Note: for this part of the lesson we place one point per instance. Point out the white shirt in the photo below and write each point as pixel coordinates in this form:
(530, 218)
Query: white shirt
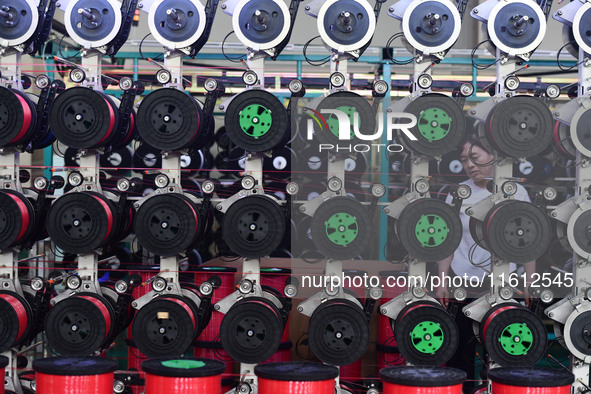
(461, 262)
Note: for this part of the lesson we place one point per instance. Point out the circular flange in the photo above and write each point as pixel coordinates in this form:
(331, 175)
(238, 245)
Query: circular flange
(426, 334)
(251, 330)
(165, 327)
(517, 231)
(18, 117)
(350, 104)
(15, 319)
(516, 26)
(520, 126)
(578, 232)
(261, 24)
(79, 325)
(341, 228)
(21, 23)
(440, 128)
(253, 226)
(93, 23)
(338, 332)
(169, 119)
(580, 130)
(580, 29)
(81, 222)
(431, 26)
(429, 229)
(513, 335)
(17, 218)
(176, 23)
(256, 121)
(346, 25)
(563, 142)
(83, 118)
(167, 224)
(577, 332)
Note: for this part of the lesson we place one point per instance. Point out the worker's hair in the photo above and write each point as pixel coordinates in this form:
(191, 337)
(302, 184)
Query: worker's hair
(473, 140)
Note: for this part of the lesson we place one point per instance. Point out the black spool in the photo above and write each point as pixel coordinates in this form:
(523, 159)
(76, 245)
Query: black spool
(428, 229)
(253, 226)
(338, 333)
(251, 331)
(441, 125)
(434, 320)
(520, 126)
(338, 217)
(81, 222)
(256, 121)
(80, 325)
(83, 118)
(166, 326)
(168, 224)
(170, 119)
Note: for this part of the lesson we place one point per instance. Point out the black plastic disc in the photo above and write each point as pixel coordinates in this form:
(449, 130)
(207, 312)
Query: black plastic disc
(17, 218)
(170, 119)
(579, 329)
(167, 224)
(186, 367)
(146, 157)
(423, 376)
(349, 103)
(164, 327)
(253, 226)
(11, 321)
(14, 116)
(496, 328)
(520, 126)
(517, 231)
(251, 330)
(338, 333)
(256, 121)
(83, 118)
(429, 229)
(296, 371)
(477, 234)
(341, 228)
(420, 350)
(74, 365)
(77, 326)
(80, 222)
(279, 166)
(531, 377)
(440, 128)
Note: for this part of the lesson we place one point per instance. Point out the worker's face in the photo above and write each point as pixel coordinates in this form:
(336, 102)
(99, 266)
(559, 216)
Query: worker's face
(477, 164)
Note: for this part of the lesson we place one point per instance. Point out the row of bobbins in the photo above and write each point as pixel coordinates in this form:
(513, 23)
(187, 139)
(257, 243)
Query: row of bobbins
(95, 375)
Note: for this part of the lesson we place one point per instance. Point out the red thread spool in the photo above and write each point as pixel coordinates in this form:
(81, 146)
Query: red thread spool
(296, 378)
(275, 278)
(183, 375)
(74, 375)
(3, 364)
(422, 380)
(134, 356)
(530, 381)
(15, 319)
(226, 274)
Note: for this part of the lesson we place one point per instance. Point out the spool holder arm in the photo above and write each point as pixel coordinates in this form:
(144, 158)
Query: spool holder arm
(210, 10)
(293, 11)
(127, 12)
(45, 29)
